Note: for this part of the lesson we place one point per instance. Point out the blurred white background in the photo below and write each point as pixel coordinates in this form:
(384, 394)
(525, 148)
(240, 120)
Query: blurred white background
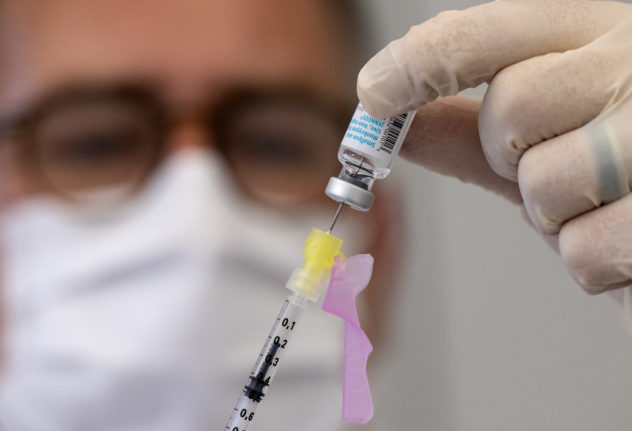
(491, 332)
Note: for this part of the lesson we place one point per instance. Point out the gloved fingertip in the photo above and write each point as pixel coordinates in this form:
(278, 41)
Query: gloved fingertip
(378, 85)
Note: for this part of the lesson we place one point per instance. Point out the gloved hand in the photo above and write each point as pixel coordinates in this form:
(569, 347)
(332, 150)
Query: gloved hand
(557, 117)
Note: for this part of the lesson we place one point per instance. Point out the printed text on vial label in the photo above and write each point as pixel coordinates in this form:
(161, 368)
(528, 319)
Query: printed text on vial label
(365, 129)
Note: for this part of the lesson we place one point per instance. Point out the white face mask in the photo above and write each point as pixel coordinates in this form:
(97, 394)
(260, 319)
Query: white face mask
(150, 316)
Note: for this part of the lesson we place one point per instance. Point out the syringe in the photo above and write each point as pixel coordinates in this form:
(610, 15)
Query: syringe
(306, 283)
(267, 364)
(367, 152)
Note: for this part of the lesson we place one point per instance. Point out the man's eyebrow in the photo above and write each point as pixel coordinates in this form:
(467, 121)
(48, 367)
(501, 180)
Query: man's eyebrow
(77, 90)
(284, 92)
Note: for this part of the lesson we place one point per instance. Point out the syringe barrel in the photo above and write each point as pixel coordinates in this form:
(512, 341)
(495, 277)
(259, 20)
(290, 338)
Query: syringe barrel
(367, 152)
(267, 364)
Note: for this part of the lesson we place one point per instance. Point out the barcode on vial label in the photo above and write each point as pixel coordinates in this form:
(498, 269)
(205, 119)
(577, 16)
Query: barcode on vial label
(391, 133)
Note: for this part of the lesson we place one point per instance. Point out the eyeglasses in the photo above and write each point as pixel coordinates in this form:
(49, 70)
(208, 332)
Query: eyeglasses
(280, 144)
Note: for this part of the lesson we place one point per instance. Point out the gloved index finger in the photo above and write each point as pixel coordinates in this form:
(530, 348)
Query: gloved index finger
(462, 49)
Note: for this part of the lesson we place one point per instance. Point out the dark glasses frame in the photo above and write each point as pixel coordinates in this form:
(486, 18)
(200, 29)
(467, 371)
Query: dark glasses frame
(218, 119)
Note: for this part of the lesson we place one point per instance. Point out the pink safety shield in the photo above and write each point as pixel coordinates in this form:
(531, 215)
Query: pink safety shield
(349, 277)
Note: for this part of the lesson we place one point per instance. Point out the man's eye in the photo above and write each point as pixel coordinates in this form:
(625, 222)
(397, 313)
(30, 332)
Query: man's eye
(94, 146)
(92, 156)
(274, 148)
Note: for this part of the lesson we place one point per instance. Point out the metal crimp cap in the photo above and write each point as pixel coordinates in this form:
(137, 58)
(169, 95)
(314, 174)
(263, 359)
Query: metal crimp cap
(350, 194)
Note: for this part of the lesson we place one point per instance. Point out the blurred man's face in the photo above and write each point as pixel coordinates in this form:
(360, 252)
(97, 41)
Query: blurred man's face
(189, 57)
(95, 95)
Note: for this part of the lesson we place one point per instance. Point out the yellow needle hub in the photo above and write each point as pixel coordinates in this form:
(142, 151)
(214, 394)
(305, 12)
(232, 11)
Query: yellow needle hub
(319, 252)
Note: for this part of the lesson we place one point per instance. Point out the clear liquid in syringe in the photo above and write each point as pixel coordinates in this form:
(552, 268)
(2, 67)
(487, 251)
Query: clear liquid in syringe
(267, 364)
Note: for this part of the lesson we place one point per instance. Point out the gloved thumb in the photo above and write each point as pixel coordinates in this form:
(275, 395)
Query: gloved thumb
(462, 49)
(444, 139)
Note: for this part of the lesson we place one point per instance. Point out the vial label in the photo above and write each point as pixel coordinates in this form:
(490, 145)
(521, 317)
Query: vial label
(380, 140)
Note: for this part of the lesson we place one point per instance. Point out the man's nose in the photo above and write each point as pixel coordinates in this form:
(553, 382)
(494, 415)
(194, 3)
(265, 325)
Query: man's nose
(189, 132)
